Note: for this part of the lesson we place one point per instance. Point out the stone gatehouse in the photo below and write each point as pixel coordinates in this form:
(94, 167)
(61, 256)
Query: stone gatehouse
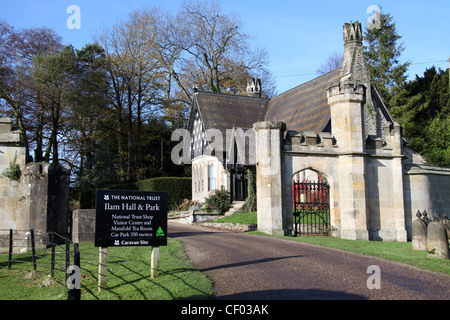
(335, 125)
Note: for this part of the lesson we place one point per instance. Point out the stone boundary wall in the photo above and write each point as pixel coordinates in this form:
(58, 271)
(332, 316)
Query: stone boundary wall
(426, 187)
(83, 225)
(36, 199)
(192, 216)
(234, 227)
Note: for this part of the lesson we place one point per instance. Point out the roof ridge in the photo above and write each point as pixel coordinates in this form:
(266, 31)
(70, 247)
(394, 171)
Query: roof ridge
(231, 95)
(307, 82)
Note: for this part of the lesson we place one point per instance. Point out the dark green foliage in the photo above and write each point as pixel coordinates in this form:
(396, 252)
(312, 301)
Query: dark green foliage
(422, 107)
(13, 172)
(87, 198)
(124, 186)
(382, 54)
(178, 188)
(219, 201)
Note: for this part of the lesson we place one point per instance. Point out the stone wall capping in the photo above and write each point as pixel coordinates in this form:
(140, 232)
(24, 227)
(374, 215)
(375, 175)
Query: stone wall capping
(414, 169)
(265, 125)
(309, 139)
(374, 142)
(8, 134)
(326, 140)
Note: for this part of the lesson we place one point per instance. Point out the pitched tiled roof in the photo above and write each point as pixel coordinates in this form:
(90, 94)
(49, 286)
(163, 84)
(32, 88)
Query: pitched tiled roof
(225, 111)
(304, 108)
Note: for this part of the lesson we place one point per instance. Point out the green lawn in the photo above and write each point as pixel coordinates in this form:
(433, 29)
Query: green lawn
(315, 218)
(243, 218)
(128, 277)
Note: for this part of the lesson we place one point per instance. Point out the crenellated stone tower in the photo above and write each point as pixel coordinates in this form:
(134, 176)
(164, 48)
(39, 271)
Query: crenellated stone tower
(346, 99)
(363, 151)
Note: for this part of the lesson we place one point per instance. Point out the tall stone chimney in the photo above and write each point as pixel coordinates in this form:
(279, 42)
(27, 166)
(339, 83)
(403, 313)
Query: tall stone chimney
(354, 65)
(354, 72)
(254, 87)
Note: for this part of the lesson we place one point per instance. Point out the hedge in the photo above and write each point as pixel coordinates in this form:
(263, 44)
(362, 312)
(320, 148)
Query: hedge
(178, 188)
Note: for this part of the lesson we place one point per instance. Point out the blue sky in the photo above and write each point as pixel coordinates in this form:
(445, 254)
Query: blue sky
(299, 35)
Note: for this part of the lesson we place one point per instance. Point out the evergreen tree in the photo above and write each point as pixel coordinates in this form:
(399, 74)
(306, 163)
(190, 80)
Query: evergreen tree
(382, 54)
(422, 107)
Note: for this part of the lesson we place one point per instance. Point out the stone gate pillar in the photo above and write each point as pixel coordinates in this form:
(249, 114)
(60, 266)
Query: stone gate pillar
(269, 139)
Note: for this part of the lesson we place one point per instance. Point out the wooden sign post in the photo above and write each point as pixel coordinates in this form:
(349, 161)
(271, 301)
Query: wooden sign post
(154, 262)
(130, 218)
(102, 262)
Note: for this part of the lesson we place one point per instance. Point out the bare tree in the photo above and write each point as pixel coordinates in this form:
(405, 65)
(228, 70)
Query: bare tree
(134, 78)
(333, 61)
(217, 48)
(7, 42)
(22, 95)
(168, 55)
(201, 47)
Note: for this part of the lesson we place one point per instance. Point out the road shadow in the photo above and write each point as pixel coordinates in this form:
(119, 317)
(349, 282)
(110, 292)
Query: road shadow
(178, 234)
(245, 263)
(292, 294)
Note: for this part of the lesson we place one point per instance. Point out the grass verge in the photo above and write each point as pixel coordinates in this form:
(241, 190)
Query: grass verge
(128, 277)
(242, 218)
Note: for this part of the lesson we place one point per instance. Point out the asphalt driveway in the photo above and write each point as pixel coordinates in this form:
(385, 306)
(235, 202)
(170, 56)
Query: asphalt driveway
(247, 267)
